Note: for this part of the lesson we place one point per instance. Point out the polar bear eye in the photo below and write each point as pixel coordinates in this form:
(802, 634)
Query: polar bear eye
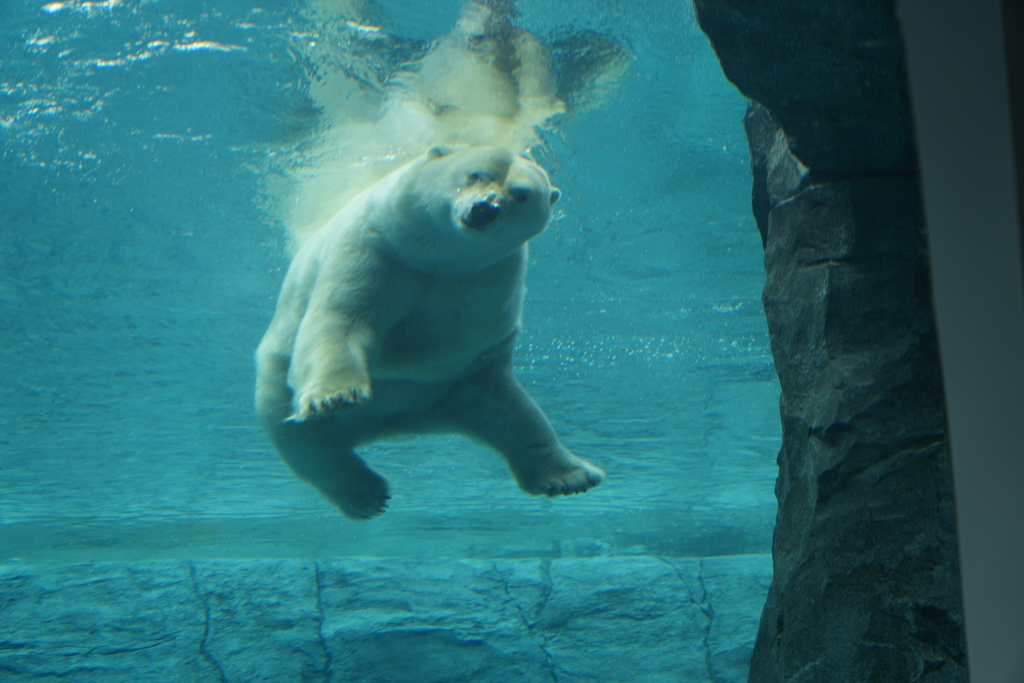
(520, 194)
(474, 178)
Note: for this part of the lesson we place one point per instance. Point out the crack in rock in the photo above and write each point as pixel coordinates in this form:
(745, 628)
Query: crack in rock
(809, 669)
(36, 674)
(328, 670)
(117, 651)
(709, 612)
(537, 636)
(203, 651)
(548, 587)
(705, 607)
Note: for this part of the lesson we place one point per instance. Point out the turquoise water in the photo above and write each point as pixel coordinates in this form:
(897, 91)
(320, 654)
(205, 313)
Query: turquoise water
(140, 260)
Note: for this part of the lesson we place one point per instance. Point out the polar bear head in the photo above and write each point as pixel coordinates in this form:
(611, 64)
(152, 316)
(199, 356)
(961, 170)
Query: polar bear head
(464, 209)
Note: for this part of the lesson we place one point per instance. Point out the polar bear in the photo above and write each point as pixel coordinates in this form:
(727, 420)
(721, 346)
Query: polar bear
(399, 316)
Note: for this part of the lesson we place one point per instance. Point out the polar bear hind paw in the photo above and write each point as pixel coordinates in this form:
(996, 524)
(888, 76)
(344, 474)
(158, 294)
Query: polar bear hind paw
(363, 499)
(576, 480)
(365, 506)
(561, 477)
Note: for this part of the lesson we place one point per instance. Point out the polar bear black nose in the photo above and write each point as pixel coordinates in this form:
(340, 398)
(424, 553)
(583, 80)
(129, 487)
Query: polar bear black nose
(481, 215)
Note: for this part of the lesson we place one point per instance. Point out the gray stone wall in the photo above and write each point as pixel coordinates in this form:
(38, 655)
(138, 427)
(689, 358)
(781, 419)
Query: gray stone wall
(373, 620)
(866, 581)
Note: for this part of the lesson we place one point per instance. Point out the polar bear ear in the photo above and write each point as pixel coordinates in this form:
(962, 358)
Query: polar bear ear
(555, 194)
(438, 151)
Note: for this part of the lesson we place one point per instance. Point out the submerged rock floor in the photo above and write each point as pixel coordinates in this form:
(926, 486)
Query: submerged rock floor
(608, 619)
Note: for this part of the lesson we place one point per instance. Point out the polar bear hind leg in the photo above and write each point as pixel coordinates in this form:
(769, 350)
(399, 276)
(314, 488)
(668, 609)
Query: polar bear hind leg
(490, 405)
(319, 451)
(312, 451)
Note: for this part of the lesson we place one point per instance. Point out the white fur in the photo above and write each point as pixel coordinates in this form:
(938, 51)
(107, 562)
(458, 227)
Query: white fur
(400, 315)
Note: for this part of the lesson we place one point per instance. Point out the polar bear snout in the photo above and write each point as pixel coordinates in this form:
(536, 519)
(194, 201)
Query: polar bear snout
(482, 214)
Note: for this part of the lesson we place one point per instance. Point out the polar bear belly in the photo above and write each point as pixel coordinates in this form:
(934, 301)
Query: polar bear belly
(454, 322)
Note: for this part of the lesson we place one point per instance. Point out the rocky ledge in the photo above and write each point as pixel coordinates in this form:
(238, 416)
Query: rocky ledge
(866, 581)
(607, 620)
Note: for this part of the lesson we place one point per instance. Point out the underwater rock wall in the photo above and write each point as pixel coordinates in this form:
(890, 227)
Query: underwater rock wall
(866, 578)
(596, 620)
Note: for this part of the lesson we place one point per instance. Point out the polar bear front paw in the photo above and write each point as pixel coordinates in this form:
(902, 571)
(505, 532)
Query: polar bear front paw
(320, 403)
